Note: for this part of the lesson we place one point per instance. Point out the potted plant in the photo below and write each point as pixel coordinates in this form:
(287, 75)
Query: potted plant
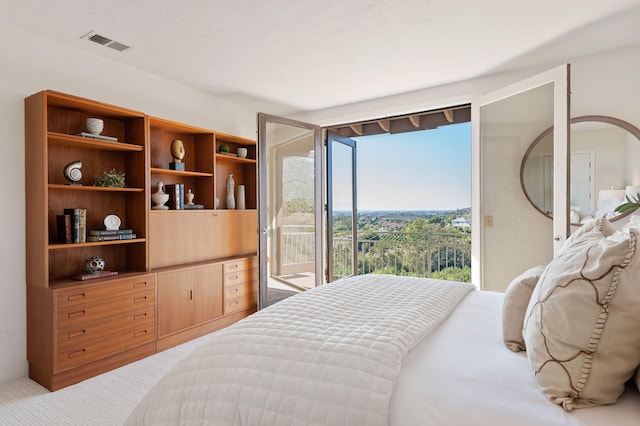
(631, 204)
(110, 179)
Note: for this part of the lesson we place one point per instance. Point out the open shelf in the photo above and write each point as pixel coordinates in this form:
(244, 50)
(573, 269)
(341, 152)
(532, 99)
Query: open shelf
(88, 143)
(92, 188)
(95, 244)
(160, 171)
(224, 157)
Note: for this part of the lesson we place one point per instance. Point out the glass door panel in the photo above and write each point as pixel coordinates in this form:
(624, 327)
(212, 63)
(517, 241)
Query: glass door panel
(513, 235)
(290, 249)
(342, 225)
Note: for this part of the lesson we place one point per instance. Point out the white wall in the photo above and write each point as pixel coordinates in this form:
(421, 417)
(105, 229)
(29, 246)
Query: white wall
(31, 64)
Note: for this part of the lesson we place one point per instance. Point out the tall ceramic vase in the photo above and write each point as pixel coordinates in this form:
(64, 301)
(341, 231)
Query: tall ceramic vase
(231, 200)
(240, 204)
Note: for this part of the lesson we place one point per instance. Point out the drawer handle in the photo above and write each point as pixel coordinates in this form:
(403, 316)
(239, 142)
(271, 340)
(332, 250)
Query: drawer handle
(233, 266)
(139, 333)
(78, 333)
(76, 314)
(190, 294)
(233, 290)
(233, 304)
(139, 299)
(233, 277)
(77, 353)
(138, 316)
(76, 296)
(140, 284)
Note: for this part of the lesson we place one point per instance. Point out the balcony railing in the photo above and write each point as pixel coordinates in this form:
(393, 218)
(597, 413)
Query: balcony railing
(428, 254)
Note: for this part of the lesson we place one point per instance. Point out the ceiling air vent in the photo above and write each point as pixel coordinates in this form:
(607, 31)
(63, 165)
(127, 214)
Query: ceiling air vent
(105, 41)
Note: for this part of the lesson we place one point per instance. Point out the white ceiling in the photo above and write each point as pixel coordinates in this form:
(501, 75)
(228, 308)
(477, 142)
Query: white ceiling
(281, 56)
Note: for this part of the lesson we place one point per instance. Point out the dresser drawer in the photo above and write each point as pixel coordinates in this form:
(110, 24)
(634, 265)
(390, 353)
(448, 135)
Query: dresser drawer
(238, 277)
(240, 303)
(88, 330)
(77, 355)
(233, 291)
(92, 292)
(83, 313)
(240, 264)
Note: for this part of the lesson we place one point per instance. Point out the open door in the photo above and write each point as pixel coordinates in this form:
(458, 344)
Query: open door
(509, 235)
(342, 214)
(289, 207)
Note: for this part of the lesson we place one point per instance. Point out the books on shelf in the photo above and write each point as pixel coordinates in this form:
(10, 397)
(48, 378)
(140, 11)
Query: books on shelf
(99, 232)
(82, 226)
(77, 223)
(112, 237)
(63, 223)
(103, 274)
(176, 196)
(98, 137)
(194, 206)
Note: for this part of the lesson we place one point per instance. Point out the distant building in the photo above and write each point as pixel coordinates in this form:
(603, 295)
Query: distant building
(460, 222)
(389, 226)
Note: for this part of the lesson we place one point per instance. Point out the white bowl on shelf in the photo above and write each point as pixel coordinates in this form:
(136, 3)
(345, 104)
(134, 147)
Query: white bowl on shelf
(242, 152)
(94, 125)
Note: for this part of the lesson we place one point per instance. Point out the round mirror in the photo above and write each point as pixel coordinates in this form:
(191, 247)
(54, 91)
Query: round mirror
(603, 168)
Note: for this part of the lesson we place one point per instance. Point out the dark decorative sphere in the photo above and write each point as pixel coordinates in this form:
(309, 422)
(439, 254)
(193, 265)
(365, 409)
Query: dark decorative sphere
(94, 265)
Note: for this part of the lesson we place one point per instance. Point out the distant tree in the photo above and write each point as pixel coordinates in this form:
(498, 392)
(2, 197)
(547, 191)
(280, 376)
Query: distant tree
(453, 274)
(439, 220)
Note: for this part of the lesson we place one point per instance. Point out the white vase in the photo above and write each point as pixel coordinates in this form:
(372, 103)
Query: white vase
(159, 198)
(231, 200)
(240, 202)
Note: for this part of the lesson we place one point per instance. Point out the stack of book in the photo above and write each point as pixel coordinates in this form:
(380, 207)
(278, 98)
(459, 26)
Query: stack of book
(111, 235)
(98, 137)
(176, 196)
(72, 226)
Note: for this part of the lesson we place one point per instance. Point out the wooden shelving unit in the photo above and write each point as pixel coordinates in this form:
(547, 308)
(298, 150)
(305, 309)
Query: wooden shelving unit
(77, 329)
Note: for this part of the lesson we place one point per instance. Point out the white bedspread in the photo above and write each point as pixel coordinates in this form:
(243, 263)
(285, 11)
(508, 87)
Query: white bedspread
(329, 356)
(463, 374)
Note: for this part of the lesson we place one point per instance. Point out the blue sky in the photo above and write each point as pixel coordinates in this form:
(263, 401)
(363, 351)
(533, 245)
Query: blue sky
(425, 170)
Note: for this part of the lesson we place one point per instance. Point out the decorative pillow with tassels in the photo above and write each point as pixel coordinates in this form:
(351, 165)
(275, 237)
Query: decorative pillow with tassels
(582, 327)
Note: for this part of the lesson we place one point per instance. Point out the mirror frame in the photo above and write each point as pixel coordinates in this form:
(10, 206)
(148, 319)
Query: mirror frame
(635, 131)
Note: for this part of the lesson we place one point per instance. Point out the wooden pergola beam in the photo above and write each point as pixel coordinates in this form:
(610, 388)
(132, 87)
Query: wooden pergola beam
(385, 125)
(414, 120)
(357, 129)
(448, 114)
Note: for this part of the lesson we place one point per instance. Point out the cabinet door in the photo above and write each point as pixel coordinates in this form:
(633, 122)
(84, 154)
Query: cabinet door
(188, 296)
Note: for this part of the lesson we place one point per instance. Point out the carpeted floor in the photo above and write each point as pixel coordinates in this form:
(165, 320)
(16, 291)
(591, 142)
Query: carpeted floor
(102, 400)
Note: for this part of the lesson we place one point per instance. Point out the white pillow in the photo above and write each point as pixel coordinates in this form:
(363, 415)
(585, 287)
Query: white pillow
(582, 328)
(514, 306)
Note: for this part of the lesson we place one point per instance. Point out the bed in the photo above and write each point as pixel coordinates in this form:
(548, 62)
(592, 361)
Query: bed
(378, 350)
